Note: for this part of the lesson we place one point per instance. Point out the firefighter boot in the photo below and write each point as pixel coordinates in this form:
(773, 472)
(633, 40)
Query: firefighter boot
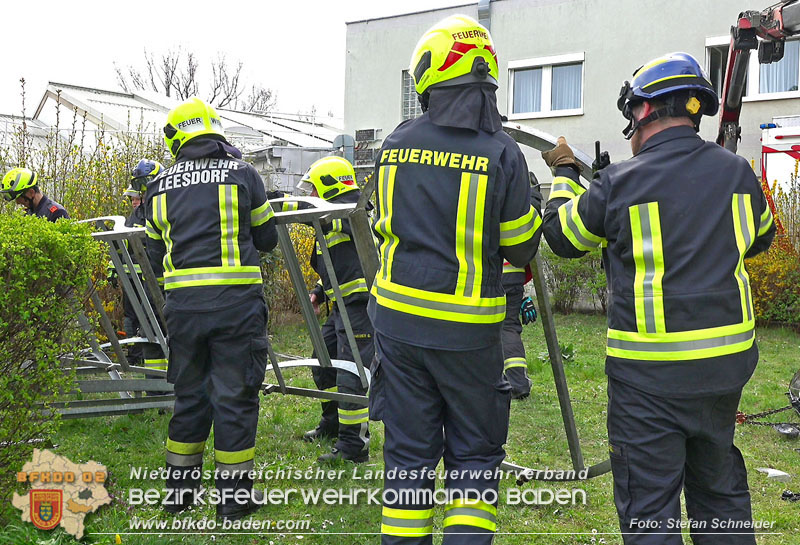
(183, 486)
(235, 504)
(336, 454)
(328, 427)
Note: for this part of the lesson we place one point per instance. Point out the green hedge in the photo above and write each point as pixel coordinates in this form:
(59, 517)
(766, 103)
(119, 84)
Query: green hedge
(574, 280)
(45, 269)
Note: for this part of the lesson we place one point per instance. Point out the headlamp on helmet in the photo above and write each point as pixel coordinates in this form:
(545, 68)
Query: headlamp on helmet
(16, 182)
(330, 176)
(454, 51)
(189, 120)
(678, 81)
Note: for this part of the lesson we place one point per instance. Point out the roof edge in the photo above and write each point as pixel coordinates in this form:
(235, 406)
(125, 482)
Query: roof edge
(411, 13)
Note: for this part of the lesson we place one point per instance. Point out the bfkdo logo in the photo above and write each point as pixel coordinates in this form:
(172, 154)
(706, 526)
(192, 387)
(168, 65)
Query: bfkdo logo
(46, 508)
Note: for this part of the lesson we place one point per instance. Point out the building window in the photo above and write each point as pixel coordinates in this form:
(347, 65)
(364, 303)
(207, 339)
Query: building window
(764, 81)
(411, 107)
(546, 86)
(782, 76)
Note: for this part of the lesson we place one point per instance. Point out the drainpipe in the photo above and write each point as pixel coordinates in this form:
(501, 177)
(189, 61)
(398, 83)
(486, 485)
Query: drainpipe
(484, 13)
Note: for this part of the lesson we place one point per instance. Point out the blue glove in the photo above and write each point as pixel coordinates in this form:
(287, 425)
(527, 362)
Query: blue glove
(527, 311)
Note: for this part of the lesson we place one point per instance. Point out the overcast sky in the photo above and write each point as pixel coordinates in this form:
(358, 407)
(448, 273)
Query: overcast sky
(296, 47)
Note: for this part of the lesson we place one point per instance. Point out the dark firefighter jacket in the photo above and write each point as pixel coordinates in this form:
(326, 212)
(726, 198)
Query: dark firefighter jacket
(453, 200)
(675, 222)
(344, 257)
(50, 209)
(207, 215)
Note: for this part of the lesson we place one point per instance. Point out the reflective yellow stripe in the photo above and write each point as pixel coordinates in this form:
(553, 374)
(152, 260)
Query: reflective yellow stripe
(160, 217)
(509, 268)
(766, 222)
(407, 522)
(352, 417)
(185, 448)
(471, 513)
(469, 233)
(212, 276)
(743, 228)
(358, 285)
(234, 457)
(564, 187)
(573, 228)
(521, 229)
(289, 206)
(648, 254)
(679, 76)
(335, 235)
(261, 214)
(151, 232)
(160, 363)
(386, 176)
(439, 306)
(514, 362)
(681, 345)
(229, 224)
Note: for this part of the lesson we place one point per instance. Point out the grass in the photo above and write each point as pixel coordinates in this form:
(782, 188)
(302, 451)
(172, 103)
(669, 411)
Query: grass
(536, 439)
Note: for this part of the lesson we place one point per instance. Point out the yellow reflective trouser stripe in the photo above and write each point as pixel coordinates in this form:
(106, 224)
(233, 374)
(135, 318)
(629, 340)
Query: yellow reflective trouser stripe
(160, 217)
(151, 232)
(212, 276)
(185, 448)
(681, 345)
(262, 214)
(234, 457)
(160, 363)
(521, 229)
(383, 226)
(743, 228)
(509, 268)
(514, 362)
(229, 224)
(564, 187)
(407, 522)
(471, 513)
(648, 254)
(439, 306)
(766, 222)
(469, 233)
(349, 288)
(352, 417)
(573, 228)
(185, 454)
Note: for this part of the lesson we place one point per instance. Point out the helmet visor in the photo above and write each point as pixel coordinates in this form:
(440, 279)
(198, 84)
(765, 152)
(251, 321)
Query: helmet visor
(305, 186)
(8, 195)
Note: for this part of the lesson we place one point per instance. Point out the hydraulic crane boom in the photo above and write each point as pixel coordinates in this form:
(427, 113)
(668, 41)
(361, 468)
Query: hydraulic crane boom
(773, 25)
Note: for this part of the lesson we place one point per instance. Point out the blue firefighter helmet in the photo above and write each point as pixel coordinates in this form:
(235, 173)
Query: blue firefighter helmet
(143, 172)
(677, 80)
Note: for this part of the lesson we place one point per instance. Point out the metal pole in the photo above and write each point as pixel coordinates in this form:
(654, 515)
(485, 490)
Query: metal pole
(557, 364)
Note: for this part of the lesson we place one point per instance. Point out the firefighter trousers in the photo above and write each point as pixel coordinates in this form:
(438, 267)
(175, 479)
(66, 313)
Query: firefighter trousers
(441, 403)
(325, 379)
(353, 417)
(515, 364)
(217, 363)
(662, 446)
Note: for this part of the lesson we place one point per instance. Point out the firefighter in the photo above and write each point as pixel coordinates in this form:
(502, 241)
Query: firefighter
(20, 185)
(519, 311)
(453, 200)
(675, 222)
(207, 217)
(333, 179)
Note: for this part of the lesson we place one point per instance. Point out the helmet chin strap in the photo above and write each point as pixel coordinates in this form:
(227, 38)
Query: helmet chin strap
(671, 110)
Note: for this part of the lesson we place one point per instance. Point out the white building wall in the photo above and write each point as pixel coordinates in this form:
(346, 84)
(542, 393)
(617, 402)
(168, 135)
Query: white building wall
(615, 37)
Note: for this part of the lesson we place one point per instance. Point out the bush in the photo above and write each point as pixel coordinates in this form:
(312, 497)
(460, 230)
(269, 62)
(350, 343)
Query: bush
(45, 269)
(571, 280)
(278, 288)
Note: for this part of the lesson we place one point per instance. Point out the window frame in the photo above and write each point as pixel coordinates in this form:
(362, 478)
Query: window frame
(752, 93)
(417, 108)
(546, 64)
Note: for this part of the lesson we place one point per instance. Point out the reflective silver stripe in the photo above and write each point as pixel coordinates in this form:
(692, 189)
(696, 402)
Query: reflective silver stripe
(747, 235)
(514, 362)
(230, 228)
(385, 180)
(184, 460)
(334, 238)
(437, 305)
(407, 523)
(522, 229)
(469, 235)
(176, 277)
(681, 346)
(243, 466)
(561, 186)
(649, 268)
(469, 512)
(568, 206)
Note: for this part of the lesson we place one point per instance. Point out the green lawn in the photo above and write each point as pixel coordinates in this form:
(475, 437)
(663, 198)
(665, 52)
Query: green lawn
(536, 439)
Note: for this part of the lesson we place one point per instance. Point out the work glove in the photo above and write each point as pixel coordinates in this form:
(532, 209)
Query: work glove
(560, 156)
(112, 276)
(275, 195)
(527, 311)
